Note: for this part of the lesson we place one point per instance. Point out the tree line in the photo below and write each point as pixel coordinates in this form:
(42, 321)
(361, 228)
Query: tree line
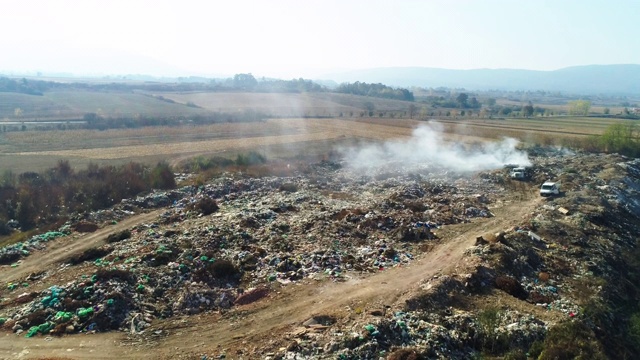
(375, 90)
(99, 122)
(239, 82)
(39, 199)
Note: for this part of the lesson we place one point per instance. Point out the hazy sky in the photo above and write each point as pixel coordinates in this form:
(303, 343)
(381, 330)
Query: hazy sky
(307, 38)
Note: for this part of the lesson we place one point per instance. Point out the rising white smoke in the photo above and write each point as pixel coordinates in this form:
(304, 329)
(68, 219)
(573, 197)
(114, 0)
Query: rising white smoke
(427, 147)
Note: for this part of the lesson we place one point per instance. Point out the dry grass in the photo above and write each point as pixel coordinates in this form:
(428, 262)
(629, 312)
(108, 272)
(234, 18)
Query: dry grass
(286, 138)
(287, 104)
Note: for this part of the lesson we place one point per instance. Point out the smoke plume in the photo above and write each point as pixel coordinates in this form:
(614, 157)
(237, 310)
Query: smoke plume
(427, 147)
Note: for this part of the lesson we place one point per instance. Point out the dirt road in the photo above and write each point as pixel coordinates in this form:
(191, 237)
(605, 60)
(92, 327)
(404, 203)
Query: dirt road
(62, 248)
(270, 318)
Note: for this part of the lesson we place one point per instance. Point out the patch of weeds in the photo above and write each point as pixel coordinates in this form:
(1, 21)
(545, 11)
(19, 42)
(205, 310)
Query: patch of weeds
(492, 341)
(224, 269)
(206, 206)
(405, 354)
(289, 187)
(119, 236)
(536, 349)
(90, 255)
(511, 286)
(108, 274)
(571, 340)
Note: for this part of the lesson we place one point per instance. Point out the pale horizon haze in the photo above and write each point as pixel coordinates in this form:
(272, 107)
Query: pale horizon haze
(291, 39)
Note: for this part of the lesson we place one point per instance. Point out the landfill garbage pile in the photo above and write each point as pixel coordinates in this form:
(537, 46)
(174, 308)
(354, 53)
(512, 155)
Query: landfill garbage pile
(267, 229)
(564, 256)
(12, 253)
(330, 223)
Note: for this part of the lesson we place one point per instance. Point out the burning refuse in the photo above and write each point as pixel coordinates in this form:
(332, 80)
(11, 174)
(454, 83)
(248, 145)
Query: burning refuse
(428, 147)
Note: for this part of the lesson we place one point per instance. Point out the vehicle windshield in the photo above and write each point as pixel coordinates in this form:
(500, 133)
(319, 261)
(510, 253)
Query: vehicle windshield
(547, 187)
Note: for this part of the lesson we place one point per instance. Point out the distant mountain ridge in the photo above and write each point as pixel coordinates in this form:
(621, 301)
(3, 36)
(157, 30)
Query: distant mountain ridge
(623, 79)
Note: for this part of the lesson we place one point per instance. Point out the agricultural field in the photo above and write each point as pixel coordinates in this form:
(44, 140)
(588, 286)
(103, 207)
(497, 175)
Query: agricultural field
(289, 137)
(563, 108)
(64, 105)
(74, 104)
(300, 252)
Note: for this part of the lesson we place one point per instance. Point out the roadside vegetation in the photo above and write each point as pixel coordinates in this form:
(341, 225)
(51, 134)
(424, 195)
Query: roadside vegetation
(31, 200)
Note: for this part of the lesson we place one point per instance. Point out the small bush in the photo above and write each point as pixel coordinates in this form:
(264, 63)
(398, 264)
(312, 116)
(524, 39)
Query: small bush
(161, 177)
(119, 236)
(205, 206)
(511, 286)
(252, 158)
(223, 269)
(89, 255)
(416, 206)
(405, 354)
(107, 274)
(634, 330)
(536, 349)
(516, 354)
(571, 340)
(289, 187)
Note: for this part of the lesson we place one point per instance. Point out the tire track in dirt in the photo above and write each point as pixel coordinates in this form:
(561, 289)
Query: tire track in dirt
(63, 248)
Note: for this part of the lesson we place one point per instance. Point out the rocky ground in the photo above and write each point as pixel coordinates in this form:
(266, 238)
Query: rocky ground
(401, 263)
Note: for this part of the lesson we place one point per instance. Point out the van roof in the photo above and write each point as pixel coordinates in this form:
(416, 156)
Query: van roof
(548, 183)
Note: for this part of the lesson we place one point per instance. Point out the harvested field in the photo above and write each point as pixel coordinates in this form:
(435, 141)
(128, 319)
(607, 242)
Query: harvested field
(174, 143)
(275, 138)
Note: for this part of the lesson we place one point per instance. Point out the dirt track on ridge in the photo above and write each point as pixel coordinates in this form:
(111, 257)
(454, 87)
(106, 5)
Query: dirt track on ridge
(244, 327)
(63, 248)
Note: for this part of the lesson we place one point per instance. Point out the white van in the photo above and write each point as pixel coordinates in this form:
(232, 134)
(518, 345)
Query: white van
(549, 188)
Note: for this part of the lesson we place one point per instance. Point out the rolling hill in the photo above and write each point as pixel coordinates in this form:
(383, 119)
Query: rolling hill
(590, 79)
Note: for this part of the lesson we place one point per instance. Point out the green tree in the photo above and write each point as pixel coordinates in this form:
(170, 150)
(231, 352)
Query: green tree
(606, 111)
(368, 105)
(461, 99)
(161, 177)
(579, 107)
(621, 138)
(527, 110)
(412, 111)
(26, 214)
(244, 81)
(474, 103)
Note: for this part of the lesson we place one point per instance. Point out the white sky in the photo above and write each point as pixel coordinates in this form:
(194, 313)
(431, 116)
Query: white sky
(308, 38)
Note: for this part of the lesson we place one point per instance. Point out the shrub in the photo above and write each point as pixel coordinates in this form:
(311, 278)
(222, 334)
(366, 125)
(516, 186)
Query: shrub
(205, 206)
(252, 158)
(571, 340)
(119, 236)
(536, 349)
(89, 255)
(223, 269)
(634, 330)
(511, 286)
(161, 177)
(107, 274)
(516, 354)
(489, 320)
(405, 354)
(289, 187)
